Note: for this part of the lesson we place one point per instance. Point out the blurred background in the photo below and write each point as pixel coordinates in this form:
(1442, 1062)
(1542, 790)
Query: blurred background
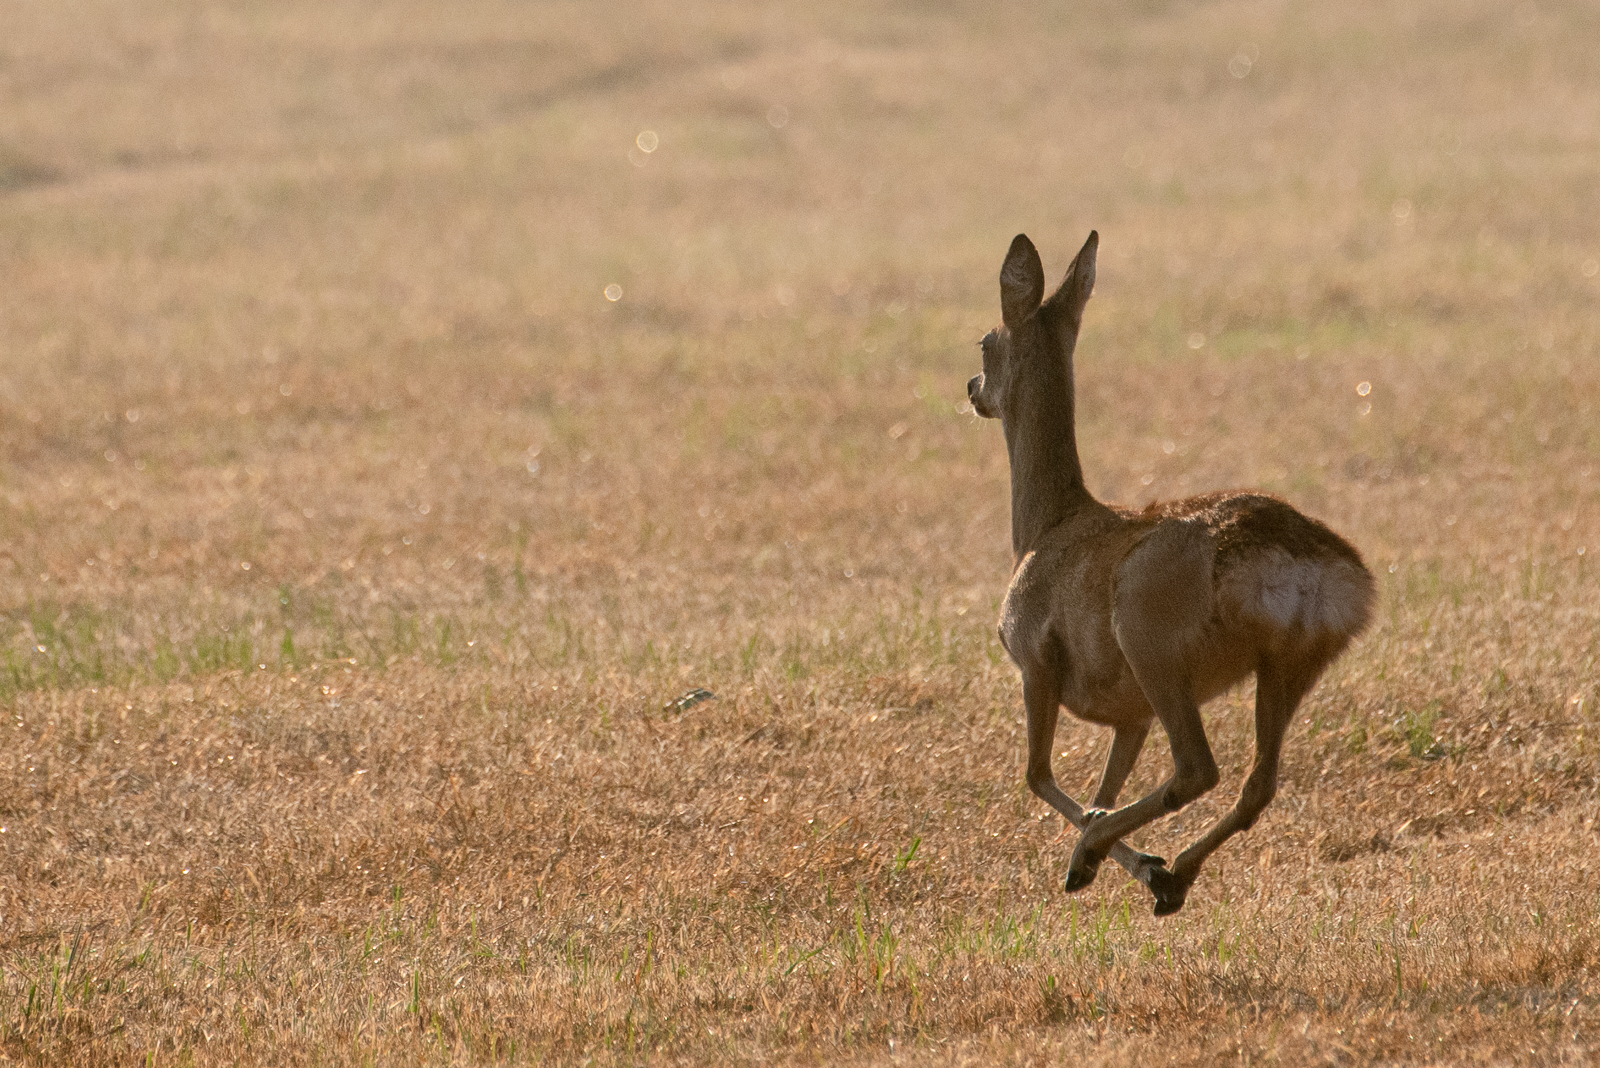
(279, 276)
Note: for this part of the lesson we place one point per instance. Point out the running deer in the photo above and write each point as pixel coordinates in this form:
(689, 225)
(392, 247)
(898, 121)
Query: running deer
(1126, 616)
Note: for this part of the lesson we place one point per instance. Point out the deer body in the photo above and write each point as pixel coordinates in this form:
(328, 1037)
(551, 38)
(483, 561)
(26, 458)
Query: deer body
(1126, 617)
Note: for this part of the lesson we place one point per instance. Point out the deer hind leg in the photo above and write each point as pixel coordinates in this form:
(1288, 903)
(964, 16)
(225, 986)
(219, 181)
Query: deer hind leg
(1041, 694)
(1278, 694)
(1164, 601)
(1194, 772)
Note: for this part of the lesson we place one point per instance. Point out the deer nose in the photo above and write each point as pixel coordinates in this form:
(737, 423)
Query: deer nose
(974, 385)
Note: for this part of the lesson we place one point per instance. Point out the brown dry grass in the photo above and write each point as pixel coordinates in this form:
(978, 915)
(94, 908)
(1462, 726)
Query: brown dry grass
(352, 544)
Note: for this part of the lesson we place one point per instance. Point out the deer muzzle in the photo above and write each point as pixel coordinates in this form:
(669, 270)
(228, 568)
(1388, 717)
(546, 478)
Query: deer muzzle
(975, 395)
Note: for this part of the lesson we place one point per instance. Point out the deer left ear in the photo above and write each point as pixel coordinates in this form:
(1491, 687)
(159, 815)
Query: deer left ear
(1079, 282)
(1021, 282)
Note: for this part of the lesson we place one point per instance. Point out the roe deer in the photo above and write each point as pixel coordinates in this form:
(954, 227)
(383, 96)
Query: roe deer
(1126, 616)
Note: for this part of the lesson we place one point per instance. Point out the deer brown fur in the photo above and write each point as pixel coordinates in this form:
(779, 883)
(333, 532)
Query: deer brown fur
(1126, 616)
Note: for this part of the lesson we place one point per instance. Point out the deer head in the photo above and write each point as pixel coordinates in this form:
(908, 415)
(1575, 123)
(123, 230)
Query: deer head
(1033, 331)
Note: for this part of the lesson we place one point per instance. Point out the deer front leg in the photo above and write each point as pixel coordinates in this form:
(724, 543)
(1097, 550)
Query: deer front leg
(1126, 744)
(1041, 696)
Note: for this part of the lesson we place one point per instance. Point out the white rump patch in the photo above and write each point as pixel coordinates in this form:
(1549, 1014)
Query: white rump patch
(1318, 596)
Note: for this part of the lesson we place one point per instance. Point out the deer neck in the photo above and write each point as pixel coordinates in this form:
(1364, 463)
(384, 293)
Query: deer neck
(1041, 440)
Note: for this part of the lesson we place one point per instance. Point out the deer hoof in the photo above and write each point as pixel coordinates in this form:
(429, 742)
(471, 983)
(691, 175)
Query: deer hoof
(1084, 867)
(1169, 889)
(1078, 878)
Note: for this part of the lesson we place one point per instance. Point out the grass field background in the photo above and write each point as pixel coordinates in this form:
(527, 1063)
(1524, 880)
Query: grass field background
(354, 546)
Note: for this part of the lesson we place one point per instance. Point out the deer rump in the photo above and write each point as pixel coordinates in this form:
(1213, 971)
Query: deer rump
(1271, 573)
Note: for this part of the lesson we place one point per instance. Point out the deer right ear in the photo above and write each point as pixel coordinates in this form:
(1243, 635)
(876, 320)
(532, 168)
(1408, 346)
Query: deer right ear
(1021, 282)
(1079, 283)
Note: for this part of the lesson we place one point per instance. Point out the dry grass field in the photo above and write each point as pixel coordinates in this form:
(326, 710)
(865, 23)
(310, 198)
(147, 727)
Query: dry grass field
(354, 545)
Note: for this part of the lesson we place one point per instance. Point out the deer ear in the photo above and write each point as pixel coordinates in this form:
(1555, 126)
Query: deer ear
(1079, 282)
(1021, 282)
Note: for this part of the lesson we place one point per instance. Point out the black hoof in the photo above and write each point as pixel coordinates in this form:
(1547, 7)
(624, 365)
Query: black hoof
(1078, 878)
(1169, 891)
(1084, 867)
